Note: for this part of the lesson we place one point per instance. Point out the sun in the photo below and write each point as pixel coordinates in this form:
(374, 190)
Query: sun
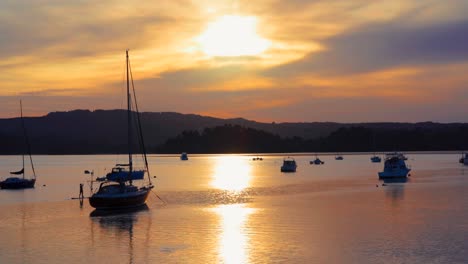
(231, 36)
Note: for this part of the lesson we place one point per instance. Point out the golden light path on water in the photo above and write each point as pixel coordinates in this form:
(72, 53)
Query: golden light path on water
(231, 173)
(233, 240)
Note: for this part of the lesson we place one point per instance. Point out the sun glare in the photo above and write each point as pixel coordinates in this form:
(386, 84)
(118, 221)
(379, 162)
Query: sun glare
(231, 173)
(231, 36)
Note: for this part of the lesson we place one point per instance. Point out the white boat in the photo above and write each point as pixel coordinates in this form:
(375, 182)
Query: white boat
(396, 154)
(289, 165)
(117, 190)
(394, 167)
(184, 156)
(339, 157)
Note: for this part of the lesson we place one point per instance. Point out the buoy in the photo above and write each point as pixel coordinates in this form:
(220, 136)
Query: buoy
(43, 185)
(154, 176)
(383, 184)
(377, 185)
(409, 175)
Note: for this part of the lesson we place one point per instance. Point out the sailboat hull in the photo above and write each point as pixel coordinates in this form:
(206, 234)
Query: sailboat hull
(119, 201)
(17, 183)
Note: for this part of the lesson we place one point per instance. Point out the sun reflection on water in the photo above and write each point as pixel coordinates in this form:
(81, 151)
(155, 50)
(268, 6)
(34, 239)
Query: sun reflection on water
(234, 240)
(232, 173)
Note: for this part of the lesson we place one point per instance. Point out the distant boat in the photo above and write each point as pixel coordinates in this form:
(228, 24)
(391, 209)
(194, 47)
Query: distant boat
(183, 156)
(317, 161)
(289, 165)
(117, 190)
(23, 182)
(338, 157)
(464, 159)
(394, 167)
(375, 159)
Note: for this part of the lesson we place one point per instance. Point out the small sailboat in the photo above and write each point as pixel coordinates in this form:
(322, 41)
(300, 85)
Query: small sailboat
(184, 156)
(21, 182)
(375, 158)
(289, 165)
(117, 190)
(317, 161)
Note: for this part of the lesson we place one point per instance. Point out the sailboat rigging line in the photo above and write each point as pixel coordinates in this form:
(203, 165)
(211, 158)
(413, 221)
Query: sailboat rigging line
(28, 146)
(164, 202)
(140, 136)
(129, 129)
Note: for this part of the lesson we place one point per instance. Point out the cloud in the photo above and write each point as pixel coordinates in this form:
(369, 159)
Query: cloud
(64, 30)
(379, 46)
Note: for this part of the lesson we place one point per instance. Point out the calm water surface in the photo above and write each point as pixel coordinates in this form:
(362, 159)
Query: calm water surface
(230, 209)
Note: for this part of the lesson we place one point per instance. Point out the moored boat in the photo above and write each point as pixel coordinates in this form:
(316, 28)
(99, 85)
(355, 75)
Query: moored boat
(184, 156)
(21, 182)
(375, 159)
(316, 161)
(117, 191)
(289, 165)
(394, 167)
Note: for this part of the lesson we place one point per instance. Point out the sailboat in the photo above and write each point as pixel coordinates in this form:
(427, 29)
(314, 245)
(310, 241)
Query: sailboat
(374, 158)
(21, 182)
(117, 190)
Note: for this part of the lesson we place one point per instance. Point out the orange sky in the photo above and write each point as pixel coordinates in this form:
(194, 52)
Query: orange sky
(283, 61)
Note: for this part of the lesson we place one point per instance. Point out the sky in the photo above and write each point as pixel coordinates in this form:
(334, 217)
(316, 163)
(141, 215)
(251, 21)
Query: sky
(264, 60)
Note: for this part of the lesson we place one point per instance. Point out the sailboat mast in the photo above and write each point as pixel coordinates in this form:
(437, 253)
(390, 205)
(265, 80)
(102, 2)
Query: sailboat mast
(129, 131)
(21, 115)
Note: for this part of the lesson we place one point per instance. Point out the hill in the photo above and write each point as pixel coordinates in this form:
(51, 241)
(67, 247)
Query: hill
(104, 131)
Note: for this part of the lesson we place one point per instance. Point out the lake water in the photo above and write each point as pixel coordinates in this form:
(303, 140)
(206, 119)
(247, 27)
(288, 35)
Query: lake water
(230, 209)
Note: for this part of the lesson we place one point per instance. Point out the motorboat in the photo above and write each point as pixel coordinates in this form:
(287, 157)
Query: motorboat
(394, 167)
(184, 156)
(375, 159)
(317, 161)
(289, 165)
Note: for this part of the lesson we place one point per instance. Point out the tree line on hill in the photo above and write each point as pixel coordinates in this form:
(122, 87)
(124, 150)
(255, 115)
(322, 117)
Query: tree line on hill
(105, 132)
(238, 139)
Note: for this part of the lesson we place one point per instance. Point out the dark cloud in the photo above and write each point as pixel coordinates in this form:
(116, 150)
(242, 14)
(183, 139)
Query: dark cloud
(384, 45)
